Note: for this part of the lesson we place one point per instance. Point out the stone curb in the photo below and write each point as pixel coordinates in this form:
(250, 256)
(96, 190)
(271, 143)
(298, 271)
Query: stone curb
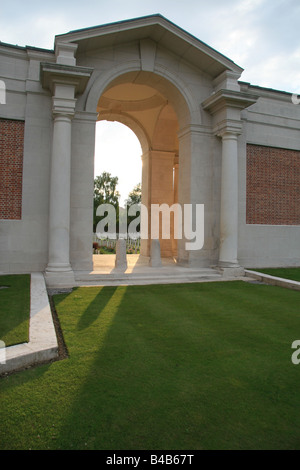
(42, 345)
(274, 281)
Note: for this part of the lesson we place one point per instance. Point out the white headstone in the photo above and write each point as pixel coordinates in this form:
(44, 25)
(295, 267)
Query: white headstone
(121, 259)
(155, 257)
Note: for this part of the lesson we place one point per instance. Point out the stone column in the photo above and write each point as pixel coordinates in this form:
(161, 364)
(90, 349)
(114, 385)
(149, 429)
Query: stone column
(229, 202)
(65, 80)
(146, 201)
(175, 179)
(175, 201)
(225, 106)
(59, 210)
(157, 184)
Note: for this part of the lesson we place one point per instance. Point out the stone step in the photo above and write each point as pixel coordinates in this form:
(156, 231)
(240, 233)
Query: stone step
(149, 278)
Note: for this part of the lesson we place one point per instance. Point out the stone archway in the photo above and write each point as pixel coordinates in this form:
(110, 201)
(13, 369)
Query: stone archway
(150, 115)
(167, 139)
(196, 101)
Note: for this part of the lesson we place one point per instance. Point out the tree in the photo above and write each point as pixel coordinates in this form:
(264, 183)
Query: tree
(134, 197)
(105, 192)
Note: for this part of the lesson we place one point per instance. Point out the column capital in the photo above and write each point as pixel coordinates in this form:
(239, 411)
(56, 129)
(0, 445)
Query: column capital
(225, 106)
(64, 82)
(62, 107)
(229, 129)
(54, 75)
(228, 98)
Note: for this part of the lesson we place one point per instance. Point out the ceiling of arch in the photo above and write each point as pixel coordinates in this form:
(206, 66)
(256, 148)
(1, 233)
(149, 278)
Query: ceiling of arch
(146, 107)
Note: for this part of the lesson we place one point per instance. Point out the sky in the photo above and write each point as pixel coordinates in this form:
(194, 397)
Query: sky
(261, 36)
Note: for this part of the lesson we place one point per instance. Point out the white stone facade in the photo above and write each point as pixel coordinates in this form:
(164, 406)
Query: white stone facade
(193, 117)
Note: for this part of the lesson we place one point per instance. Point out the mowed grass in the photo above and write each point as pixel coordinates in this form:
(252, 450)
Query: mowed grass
(285, 273)
(172, 367)
(14, 308)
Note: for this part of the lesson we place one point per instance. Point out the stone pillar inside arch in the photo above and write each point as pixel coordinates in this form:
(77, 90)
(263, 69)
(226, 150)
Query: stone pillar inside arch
(82, 190)
(175, 201)
(195, 190)
(158, 189)
(146, 202)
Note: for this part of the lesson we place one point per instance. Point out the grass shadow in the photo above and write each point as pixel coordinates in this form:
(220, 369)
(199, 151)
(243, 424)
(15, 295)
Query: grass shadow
(96, 306)
(173, 367)
(186, 367)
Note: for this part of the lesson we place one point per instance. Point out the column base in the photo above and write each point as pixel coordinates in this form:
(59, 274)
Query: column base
(59, 278)
(231, 270)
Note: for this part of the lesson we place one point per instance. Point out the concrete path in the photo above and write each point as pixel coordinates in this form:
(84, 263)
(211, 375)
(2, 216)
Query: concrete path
(42, 345)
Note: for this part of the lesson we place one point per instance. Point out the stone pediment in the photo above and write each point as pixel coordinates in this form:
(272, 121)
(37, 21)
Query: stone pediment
(158, 29)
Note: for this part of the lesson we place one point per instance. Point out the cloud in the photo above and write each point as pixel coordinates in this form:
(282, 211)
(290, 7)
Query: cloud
(247, 6)
(262, 36)
(258, 35)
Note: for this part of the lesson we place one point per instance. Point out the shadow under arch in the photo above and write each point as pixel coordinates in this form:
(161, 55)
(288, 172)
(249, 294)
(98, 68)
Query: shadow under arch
(163, 80)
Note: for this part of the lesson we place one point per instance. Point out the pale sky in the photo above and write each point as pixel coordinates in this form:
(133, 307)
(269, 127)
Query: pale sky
(261, 36)
(118, 152)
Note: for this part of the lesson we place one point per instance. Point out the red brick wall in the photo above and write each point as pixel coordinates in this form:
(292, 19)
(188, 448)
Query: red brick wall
(11, 168)
(273, 186)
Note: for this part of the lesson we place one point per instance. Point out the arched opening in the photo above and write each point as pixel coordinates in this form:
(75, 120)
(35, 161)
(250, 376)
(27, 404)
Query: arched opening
(118, 152)
(143, 106)
(117, 172)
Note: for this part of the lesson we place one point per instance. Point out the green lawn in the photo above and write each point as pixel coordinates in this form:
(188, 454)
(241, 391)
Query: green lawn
(14, 308)
(191, 366)
(286, 273)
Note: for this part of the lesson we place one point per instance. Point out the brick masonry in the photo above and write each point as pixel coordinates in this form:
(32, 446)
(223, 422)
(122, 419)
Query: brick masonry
(273, 186)
(11, 168)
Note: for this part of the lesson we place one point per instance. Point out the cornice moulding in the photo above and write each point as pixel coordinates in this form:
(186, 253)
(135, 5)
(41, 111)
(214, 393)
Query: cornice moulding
(228, 98)
(51, 74)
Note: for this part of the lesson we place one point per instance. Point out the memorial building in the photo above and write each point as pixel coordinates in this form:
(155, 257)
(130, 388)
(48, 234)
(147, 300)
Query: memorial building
(207, 138)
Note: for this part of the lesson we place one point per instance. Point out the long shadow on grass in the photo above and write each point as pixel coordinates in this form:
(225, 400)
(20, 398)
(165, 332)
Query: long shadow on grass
(96, 307)
(182, 367)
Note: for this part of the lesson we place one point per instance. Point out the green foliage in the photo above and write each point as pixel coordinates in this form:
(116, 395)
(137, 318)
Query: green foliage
(105, 192)
(135, 196)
